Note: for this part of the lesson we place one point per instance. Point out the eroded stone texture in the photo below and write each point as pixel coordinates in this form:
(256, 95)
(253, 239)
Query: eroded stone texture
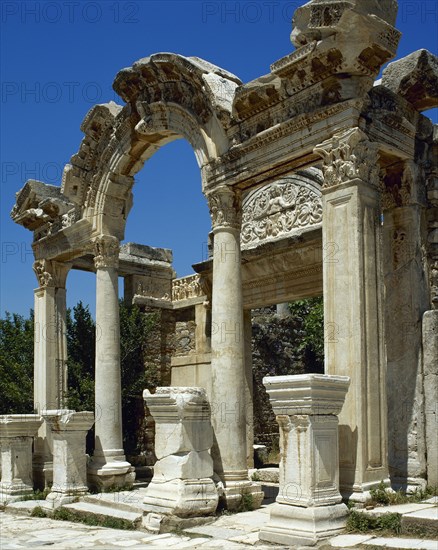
(308, 506)
(68, 429)
(16, 436)
(182, 484)
(415, 77)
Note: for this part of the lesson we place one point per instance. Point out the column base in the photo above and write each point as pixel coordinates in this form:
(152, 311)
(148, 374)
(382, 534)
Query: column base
(182, 497)
(57, 499)
(241, 495)
(13, 491)
(110, 469)
(408, 485)
(361, 492)
(293, 525)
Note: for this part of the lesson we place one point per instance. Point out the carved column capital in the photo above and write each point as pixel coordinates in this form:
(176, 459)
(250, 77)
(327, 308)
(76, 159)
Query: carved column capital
(225, 206)
(349, 155)
(106, 251)
(51, 273)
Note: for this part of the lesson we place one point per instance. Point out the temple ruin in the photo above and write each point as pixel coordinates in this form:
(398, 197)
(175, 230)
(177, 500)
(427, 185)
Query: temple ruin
(320, 180)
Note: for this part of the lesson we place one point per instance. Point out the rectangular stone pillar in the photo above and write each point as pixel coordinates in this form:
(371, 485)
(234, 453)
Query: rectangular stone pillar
(182, 484)
(430, 362)
(308, 506)
(406, 299)
(50, 356)
(69, 430)
(353, 309)
(16, 435)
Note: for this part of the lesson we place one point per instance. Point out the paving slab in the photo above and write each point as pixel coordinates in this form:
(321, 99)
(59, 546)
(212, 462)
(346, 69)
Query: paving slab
(397, 509)
(347, 541)
(216, 532)
(433, 500)
(418, 544)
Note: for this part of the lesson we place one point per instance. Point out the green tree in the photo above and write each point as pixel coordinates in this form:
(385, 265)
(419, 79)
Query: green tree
(310, 313)
(135, 327)
(16, 364)
(81, 347)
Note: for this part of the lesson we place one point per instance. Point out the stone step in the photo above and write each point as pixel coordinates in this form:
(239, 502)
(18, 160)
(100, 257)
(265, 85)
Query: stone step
(128, 501)
(424, 521)
(99, 510)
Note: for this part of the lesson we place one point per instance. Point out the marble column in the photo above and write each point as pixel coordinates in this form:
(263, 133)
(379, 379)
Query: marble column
(353, 309)
(50, 356)
(108, 466)
(228, 351)
(69, 430)
(16, 435)
(308, 507)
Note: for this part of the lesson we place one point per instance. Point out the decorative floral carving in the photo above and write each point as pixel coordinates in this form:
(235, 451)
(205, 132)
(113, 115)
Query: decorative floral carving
(278, 209)
(50, 273)
(349, 155)
(187, 287)
(106, 252)
(225, 208)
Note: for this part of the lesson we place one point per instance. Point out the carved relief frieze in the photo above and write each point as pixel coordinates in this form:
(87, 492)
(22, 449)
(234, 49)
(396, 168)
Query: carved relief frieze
(188, 287)
(106, 251)
(278, 209)
(349, 155)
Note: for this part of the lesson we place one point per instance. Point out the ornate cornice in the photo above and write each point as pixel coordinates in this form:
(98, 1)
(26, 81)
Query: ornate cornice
(347, 156)
(225, 206)
(106, 252)
(51, 273)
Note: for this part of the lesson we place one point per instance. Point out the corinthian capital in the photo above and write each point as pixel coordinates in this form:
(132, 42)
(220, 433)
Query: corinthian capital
(51, 273)
(349, 155)
(106, 251)
(225, 208)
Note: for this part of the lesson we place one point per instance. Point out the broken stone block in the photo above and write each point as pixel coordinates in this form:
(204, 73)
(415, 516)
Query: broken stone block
(415, 77)
(182, 484)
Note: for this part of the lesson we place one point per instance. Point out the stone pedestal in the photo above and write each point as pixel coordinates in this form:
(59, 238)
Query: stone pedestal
(68, 429)
(353, 305)
(308, 507)
(182, 484)
(108, 466)
(16, 434)
(50, 357)
(229, 387)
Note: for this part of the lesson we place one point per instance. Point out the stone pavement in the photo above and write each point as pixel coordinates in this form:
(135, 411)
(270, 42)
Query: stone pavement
(228, 531)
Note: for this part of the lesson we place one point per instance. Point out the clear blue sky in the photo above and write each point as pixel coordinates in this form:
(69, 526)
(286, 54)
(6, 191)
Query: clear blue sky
(59, 58)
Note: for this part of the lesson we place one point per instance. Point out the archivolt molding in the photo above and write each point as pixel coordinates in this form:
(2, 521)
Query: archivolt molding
(168, 96)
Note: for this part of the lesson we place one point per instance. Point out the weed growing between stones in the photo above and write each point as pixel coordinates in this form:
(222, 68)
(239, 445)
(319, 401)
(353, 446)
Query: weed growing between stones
(362, 523)
(38, 512)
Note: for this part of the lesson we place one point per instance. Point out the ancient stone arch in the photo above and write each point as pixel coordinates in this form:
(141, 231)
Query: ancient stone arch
(316, 177)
